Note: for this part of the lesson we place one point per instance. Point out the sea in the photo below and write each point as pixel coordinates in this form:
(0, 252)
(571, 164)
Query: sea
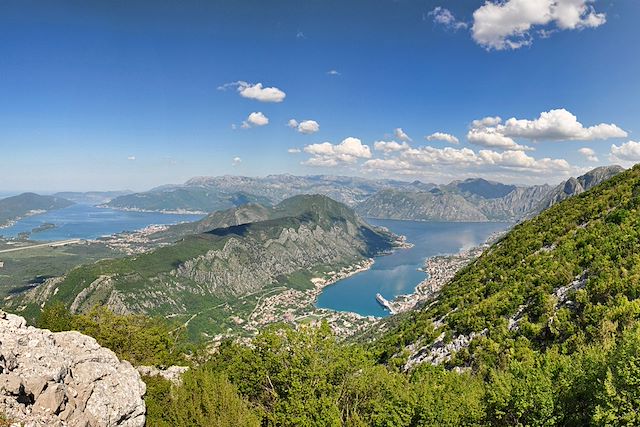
(81, 221)
(400, 272)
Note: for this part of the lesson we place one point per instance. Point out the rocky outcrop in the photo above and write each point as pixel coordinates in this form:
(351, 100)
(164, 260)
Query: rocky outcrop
(574, 186)
(65, 379)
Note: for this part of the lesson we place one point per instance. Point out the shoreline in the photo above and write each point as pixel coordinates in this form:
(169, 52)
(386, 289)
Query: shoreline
(158, 211)
(440, 270)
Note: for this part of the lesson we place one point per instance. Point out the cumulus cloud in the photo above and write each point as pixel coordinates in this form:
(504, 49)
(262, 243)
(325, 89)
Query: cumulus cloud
(508, 24)
(306, 126)
(493, 138)
(559, 125)
(349, 151)
(294, 150)
(255, 119)
(236, 161)
(553, 125)
(390, 146)
(444, 17)
(486, 122)
(588, 153)
(442, 136)
(627, 153)
(256, 91)
(416, 161)
(401, 135)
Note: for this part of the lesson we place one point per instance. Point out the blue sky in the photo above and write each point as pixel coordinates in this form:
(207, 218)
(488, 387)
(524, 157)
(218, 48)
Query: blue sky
(125, 94)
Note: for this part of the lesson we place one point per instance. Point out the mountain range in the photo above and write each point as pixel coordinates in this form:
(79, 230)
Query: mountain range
(473, 199)
(210, 274)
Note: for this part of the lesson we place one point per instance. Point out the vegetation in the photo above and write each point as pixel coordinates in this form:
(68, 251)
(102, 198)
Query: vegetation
(12, 208)
(139, 339)
(555, 306)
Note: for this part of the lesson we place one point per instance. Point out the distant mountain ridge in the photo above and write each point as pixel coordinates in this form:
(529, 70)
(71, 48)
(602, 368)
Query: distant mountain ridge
(16, 207)
(91, 197)
(473, 199)
(207, 194)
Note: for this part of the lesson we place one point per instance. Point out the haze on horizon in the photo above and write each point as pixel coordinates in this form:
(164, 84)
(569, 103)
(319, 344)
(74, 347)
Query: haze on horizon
(132, 95)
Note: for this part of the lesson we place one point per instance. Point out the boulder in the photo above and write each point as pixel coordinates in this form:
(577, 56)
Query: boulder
(65, 379)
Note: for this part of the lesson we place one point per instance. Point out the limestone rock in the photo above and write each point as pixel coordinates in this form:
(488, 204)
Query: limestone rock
(65, 379)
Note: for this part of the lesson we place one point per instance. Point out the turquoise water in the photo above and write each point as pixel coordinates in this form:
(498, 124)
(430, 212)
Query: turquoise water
(398, 273)
(89, 222)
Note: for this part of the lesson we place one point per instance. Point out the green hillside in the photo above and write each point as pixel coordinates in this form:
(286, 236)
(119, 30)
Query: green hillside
(211, 279)
(12, 208)
(541, 330)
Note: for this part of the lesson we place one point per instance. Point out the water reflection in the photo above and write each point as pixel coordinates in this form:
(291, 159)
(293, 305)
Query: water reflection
(399, 273)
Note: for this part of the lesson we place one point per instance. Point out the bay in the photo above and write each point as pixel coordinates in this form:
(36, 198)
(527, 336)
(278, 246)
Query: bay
(399, 273)
(82, 221)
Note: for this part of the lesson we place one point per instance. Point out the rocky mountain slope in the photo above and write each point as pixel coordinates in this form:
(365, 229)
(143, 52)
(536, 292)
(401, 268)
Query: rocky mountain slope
(15, 207)
(478, 199)
(566, 278)
(450, 203)
(433, 205)
(65, 379)
(216, 193)
(204, 273)
(575, 186)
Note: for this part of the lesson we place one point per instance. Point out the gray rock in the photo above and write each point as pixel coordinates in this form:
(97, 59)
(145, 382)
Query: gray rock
(65, 379)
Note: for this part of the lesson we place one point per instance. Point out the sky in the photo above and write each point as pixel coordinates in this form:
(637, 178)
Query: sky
(134, 94)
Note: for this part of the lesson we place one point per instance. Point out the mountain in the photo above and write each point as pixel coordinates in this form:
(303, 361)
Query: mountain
(559, 282)
(483, 188)
(450, 203)
(16, 207)
(433, 205)
(194, 199)
(207, 194)
(91, 197)
(575, 186)
(215, 275)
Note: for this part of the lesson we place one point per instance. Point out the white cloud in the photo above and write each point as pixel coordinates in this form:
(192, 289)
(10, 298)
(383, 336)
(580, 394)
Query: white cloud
(255, 119)
(444, 17)
(131, 158)
(294, 150)
(306, 126)
(553, 125)
(559, 125)
(333, 72)
(348, 151)
(507, 24)
(627, 153)
(491, 137)
(236, 161)
(401, 135)
(486, 122)
(256, 91)
(442, 136)
(417, 161)
(390, 146)
(588, 153)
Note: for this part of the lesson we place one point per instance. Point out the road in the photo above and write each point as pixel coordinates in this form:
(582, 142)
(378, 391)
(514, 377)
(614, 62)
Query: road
(42, 245)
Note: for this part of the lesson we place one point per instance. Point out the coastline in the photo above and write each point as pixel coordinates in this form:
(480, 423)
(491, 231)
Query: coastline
(440, 270)
(160, 211)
